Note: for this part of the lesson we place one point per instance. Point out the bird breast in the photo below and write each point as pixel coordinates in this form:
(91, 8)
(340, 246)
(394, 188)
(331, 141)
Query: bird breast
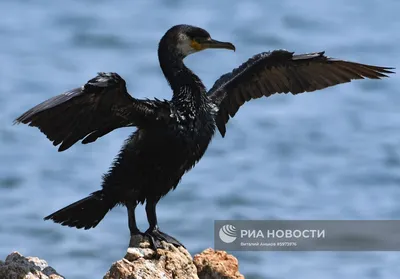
(193, 126)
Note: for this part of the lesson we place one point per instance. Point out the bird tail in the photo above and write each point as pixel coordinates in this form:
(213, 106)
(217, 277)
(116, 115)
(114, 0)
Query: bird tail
(85, 213)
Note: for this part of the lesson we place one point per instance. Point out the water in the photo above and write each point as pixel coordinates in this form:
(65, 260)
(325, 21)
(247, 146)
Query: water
(332, 154)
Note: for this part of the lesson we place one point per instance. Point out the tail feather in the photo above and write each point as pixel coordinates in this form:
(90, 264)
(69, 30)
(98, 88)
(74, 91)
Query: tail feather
(85, 213)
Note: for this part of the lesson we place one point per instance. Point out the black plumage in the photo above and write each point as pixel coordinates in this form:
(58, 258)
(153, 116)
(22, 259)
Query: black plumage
(173, 135)
(281, 71)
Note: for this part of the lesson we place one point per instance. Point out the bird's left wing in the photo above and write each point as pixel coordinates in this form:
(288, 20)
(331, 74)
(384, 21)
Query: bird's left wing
(281, 71)
(91, 111)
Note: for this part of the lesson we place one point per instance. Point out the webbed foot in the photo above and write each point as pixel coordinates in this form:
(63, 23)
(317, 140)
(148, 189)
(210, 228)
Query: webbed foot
(156, 236)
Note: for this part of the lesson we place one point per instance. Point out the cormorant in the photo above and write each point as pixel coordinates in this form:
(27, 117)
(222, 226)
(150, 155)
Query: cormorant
(173, 135)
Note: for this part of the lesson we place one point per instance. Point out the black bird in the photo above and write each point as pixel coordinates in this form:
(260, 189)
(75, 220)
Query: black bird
(173, 135)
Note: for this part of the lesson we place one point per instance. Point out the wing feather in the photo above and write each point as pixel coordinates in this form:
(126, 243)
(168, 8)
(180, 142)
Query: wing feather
(91, 111)
(281, 71)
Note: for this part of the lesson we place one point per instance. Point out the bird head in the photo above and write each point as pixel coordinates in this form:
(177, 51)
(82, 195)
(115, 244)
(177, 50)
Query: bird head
(187, 39)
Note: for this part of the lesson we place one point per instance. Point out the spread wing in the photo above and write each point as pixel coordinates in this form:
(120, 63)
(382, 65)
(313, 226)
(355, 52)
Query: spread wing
(281, 71)
(91, 111)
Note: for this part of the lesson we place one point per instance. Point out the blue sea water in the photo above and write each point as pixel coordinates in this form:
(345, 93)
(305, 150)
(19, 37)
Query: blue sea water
(332, 154)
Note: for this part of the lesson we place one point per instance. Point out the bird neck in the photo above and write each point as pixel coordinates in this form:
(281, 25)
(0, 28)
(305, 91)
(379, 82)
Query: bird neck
(186, 86)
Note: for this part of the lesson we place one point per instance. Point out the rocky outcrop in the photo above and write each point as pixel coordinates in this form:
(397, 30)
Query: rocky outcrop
(17, 266)
(138, 263)
(213, 264)
(174, 263)
(143, 262)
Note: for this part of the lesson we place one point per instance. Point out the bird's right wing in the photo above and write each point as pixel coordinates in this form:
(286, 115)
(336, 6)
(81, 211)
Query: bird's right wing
(91, 111)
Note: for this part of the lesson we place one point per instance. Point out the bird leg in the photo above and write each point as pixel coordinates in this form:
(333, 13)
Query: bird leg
(136, 235)
(153, 232)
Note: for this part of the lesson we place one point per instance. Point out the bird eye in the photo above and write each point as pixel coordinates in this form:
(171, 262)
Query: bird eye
(201, 39)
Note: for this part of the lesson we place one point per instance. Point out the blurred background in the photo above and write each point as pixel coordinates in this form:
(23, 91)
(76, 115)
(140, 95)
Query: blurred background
(332, 154)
